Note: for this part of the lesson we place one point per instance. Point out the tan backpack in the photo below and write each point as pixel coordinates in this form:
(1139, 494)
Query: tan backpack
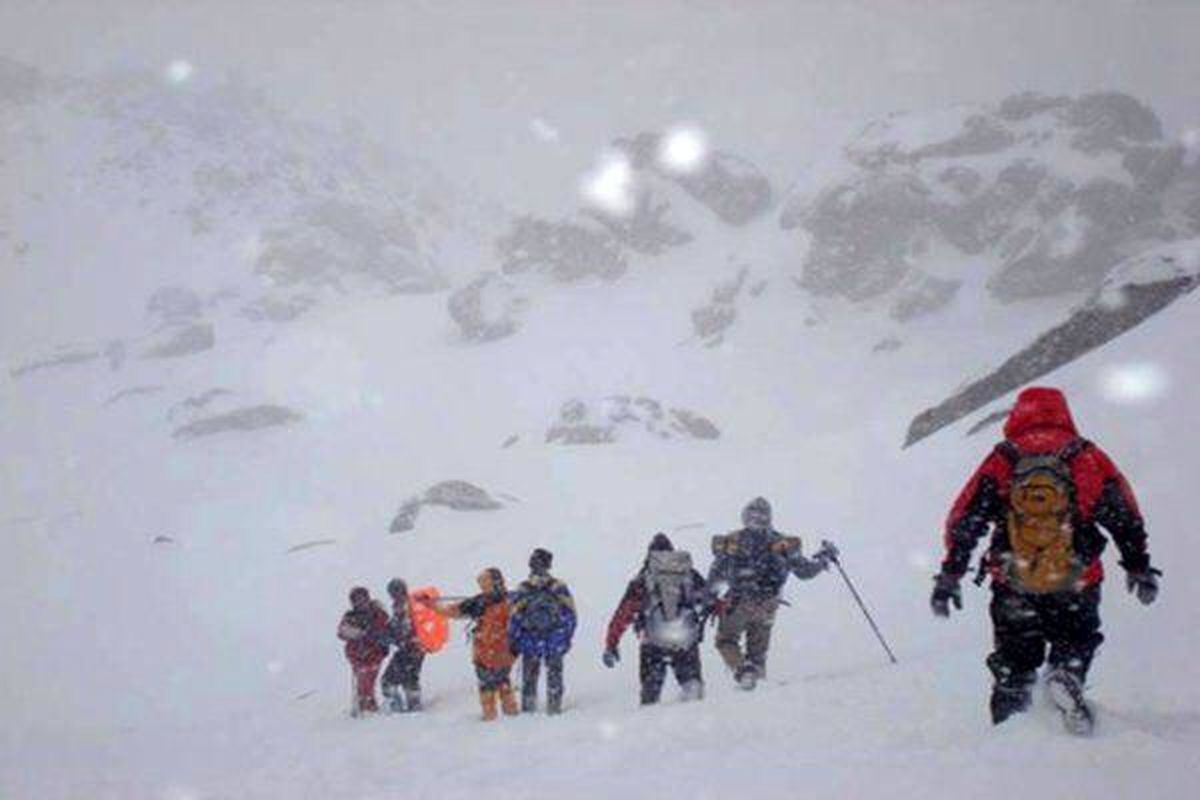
(1039, 523)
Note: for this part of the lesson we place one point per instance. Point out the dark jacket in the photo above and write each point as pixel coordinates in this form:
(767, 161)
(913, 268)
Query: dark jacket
(754, 564)
(365, 632)
(632, 608)
(1040, 423)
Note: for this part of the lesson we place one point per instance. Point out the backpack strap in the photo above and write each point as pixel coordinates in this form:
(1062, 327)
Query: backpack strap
(1071, 450)
(1008, 451)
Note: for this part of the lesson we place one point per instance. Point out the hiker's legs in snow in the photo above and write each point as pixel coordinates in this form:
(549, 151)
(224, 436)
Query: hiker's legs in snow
(1020, 648)
(686, 665)
(495, 683)
(554, 683)
(530, 668)
(732, 625)
(1072, 625)
(758, 635)
(652, 669)
(364, 686)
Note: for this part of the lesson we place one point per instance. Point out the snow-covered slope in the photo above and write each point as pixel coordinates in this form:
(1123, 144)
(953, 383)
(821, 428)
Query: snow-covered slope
(181, 531)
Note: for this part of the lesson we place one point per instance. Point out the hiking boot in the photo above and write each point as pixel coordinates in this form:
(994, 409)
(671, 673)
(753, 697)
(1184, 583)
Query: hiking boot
(747, 677)
(414, 701)
(693, 690)
(1008, 700)
(528, 703)
(1066, 692)
(508, 701)
(554, 704)
(487, 701)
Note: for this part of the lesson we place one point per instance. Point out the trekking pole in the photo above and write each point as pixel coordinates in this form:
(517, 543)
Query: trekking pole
(863, 606)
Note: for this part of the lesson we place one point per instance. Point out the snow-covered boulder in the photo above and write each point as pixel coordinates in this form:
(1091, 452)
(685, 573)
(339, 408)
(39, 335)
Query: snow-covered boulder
(566, 251)
(487, 308)
(612, 418)
(456, 495)
(182, 340)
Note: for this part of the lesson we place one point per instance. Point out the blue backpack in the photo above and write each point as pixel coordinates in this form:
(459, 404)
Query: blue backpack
(542, 621)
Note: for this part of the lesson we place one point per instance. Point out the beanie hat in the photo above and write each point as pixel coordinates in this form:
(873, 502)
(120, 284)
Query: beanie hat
(757, 514)
(660, 542)
(540, 560)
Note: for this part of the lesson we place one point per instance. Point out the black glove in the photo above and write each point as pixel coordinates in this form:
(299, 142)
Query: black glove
(828, 553)
(1144, 584)
(945, 592)
(610, 658)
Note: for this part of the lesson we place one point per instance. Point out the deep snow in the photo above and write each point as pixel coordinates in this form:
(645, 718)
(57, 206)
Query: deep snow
(207, 667)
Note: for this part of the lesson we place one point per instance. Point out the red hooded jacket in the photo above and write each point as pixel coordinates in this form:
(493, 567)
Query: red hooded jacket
(1040, 423)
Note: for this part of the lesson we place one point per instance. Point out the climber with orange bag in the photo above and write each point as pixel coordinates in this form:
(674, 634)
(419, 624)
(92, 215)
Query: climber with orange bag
(415, 628)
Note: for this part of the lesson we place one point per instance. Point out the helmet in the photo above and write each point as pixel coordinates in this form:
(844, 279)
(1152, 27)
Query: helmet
(757, 514)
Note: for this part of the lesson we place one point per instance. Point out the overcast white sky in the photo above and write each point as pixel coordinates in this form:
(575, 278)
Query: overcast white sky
(464, 82)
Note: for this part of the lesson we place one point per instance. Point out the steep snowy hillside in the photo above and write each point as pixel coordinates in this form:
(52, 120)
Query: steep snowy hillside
(193, 585)
(206, 186)
(216, 453)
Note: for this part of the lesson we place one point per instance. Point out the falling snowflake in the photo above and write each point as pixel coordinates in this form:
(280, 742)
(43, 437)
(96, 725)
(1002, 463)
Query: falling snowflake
(1134, 383)
(179, 71)
(683, 149)
(543, 130)
(610, 185)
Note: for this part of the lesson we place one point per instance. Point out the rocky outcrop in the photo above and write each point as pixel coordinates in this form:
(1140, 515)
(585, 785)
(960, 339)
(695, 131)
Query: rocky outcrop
(179, 341)
(1048, 193)
(612, 418)
(1137, 290)
(456, 495)
(487, 308)
(241, 420)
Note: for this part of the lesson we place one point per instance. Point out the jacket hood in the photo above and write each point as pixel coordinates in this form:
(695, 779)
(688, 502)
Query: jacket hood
(1039, 408)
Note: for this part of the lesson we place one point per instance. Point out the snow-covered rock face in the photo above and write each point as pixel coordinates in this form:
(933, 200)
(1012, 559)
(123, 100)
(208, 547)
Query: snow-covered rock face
(1043, 194)
(249, 197)
(612, 418)
(456, 495)
(487, 308)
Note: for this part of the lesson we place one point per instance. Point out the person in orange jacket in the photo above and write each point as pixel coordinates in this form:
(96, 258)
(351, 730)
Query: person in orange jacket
(364, 629)
(490, 652)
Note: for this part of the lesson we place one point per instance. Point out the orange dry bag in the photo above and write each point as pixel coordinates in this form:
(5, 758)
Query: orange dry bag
(432, 628)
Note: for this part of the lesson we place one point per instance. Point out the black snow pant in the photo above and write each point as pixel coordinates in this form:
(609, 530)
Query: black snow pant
(404, 672)
(1025, 625)
(531, 667)
(652, 669)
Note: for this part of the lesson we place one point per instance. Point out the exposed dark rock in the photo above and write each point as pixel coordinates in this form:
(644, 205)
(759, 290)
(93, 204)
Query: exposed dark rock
(994, 418)
(252, 418)
(565, 251)
(183, 341)
(487, 308)
(132, 391)
(580, 423)
(455, 495)
(1088, 328)
(174, 305)
(64, 358)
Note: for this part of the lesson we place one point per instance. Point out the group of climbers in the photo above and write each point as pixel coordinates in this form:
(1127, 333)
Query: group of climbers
(1042, 495)
(668, 602)
(535, 624)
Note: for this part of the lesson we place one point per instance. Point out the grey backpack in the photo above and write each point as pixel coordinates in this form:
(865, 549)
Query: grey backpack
(670, 614)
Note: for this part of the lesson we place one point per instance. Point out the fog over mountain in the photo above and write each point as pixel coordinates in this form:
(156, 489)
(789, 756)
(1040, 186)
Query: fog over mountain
(299, 296)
